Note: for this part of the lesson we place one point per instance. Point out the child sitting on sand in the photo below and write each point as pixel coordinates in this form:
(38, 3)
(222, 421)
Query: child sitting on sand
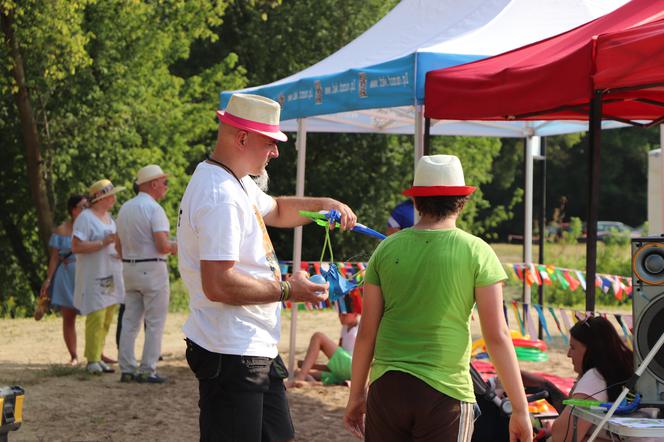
(338, 368)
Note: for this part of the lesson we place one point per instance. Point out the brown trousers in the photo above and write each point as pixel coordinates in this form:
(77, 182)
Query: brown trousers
(401, 407)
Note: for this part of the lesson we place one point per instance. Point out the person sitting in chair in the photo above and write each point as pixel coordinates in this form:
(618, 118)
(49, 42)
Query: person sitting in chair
(603, 363)
(339, 354)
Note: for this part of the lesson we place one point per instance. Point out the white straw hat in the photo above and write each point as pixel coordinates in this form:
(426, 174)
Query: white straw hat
(439, 175)
(149, 173)
(253, 113)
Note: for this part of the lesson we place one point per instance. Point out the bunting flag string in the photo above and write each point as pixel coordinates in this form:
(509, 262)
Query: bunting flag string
(530, 324)
(564, 318)
(555, 319)
(542, 321)
(347, 269)
(619, 318)
(537, 274)
(350, 270)
(518, 317)
(568, 279)
(565, 315)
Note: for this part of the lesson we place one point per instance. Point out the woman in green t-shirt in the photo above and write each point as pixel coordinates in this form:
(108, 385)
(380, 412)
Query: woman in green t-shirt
(421, 286)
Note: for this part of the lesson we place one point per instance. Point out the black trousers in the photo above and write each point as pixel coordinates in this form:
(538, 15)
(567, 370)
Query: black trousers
(242, 398)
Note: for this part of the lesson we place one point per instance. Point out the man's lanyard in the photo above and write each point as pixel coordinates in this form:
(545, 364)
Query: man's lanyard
(227, 169)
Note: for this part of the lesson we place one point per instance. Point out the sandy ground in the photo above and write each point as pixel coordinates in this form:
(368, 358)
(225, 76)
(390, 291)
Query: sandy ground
(67, 404)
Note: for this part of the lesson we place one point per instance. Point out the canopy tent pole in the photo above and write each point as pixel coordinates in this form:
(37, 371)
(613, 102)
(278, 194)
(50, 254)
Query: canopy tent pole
(426, 150)
(542, 221)
(532, 144)
(661, 177)
(301, 147)
(419, 146)
(419, 133)
(594, 140)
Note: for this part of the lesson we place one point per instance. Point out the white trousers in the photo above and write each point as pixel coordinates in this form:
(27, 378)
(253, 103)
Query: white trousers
(147, 293)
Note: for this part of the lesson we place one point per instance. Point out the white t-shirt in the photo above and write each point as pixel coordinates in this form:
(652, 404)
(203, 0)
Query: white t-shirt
(592, 384)
(138, 219)
(348, 337)
(99, 281)
(220, 221)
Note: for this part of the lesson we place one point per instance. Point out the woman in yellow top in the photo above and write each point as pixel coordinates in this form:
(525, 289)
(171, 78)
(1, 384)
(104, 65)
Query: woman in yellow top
(99, 286)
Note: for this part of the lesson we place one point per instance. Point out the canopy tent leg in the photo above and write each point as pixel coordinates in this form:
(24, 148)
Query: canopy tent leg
(661, 177)
(301, 147)
(419, 133)
(542, 222)
(419, 145)
(594, 140)
(532, 145)
(426, 149)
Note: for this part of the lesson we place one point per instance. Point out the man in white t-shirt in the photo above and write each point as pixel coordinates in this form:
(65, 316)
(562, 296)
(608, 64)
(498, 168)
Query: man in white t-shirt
(229, 267)
(143, 241)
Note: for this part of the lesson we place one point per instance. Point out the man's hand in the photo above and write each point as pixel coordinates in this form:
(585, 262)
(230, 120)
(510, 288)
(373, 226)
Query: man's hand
(303, 290)
(348, 217)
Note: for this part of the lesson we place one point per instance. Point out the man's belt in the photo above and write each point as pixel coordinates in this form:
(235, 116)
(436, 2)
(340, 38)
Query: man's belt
(132, 261)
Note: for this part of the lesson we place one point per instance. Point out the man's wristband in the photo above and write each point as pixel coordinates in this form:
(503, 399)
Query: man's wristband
(285, 291)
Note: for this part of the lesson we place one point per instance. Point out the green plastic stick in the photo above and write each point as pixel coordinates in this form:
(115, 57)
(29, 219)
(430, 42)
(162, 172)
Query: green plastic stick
(587, 403)
(314, 215)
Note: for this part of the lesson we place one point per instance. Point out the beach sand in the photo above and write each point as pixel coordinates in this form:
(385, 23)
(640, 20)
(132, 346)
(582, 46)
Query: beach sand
(66, 404)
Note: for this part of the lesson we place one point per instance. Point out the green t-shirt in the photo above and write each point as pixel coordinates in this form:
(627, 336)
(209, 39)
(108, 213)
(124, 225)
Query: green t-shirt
(428, 280)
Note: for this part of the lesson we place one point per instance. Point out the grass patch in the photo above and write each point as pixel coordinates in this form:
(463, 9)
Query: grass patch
(179, 302)
(58, 371)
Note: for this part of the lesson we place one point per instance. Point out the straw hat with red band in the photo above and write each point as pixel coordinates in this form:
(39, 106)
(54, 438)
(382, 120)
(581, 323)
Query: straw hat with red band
(439, 175)
(253, 113)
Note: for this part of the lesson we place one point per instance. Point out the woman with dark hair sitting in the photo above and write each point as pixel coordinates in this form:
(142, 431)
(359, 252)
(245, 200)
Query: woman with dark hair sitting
(603, 363)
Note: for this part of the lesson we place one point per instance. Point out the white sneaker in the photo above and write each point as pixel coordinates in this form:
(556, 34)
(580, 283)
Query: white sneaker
(105, 367)
(94, 368)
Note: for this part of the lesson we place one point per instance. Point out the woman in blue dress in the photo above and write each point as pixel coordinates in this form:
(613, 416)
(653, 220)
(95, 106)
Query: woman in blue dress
(59, 282)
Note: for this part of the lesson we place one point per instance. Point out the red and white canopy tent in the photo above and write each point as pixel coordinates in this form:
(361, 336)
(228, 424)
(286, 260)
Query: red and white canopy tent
(611, 68)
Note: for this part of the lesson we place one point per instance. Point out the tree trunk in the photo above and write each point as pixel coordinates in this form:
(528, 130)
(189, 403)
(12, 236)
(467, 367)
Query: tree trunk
(35, 166)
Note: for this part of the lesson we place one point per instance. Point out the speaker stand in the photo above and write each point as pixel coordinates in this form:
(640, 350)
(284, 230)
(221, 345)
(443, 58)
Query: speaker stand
(623, 394)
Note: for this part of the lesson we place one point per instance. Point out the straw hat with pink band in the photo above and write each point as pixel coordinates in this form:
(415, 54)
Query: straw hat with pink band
(253, 113)
(439, 175)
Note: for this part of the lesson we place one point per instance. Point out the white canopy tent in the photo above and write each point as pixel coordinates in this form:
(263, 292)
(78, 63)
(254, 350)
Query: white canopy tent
(375, 84)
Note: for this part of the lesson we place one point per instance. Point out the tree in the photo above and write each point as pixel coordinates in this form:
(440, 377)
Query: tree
(105, 103)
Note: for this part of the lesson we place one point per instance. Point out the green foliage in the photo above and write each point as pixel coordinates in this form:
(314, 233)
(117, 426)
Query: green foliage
(116, 84)
(107, 104)
(179, 301)
(10, 309)
(477, 154)
(623, 172)
(274, 39)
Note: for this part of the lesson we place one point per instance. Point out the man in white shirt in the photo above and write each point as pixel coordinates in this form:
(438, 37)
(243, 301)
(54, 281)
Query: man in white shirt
(229, 266)
(143, 242)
